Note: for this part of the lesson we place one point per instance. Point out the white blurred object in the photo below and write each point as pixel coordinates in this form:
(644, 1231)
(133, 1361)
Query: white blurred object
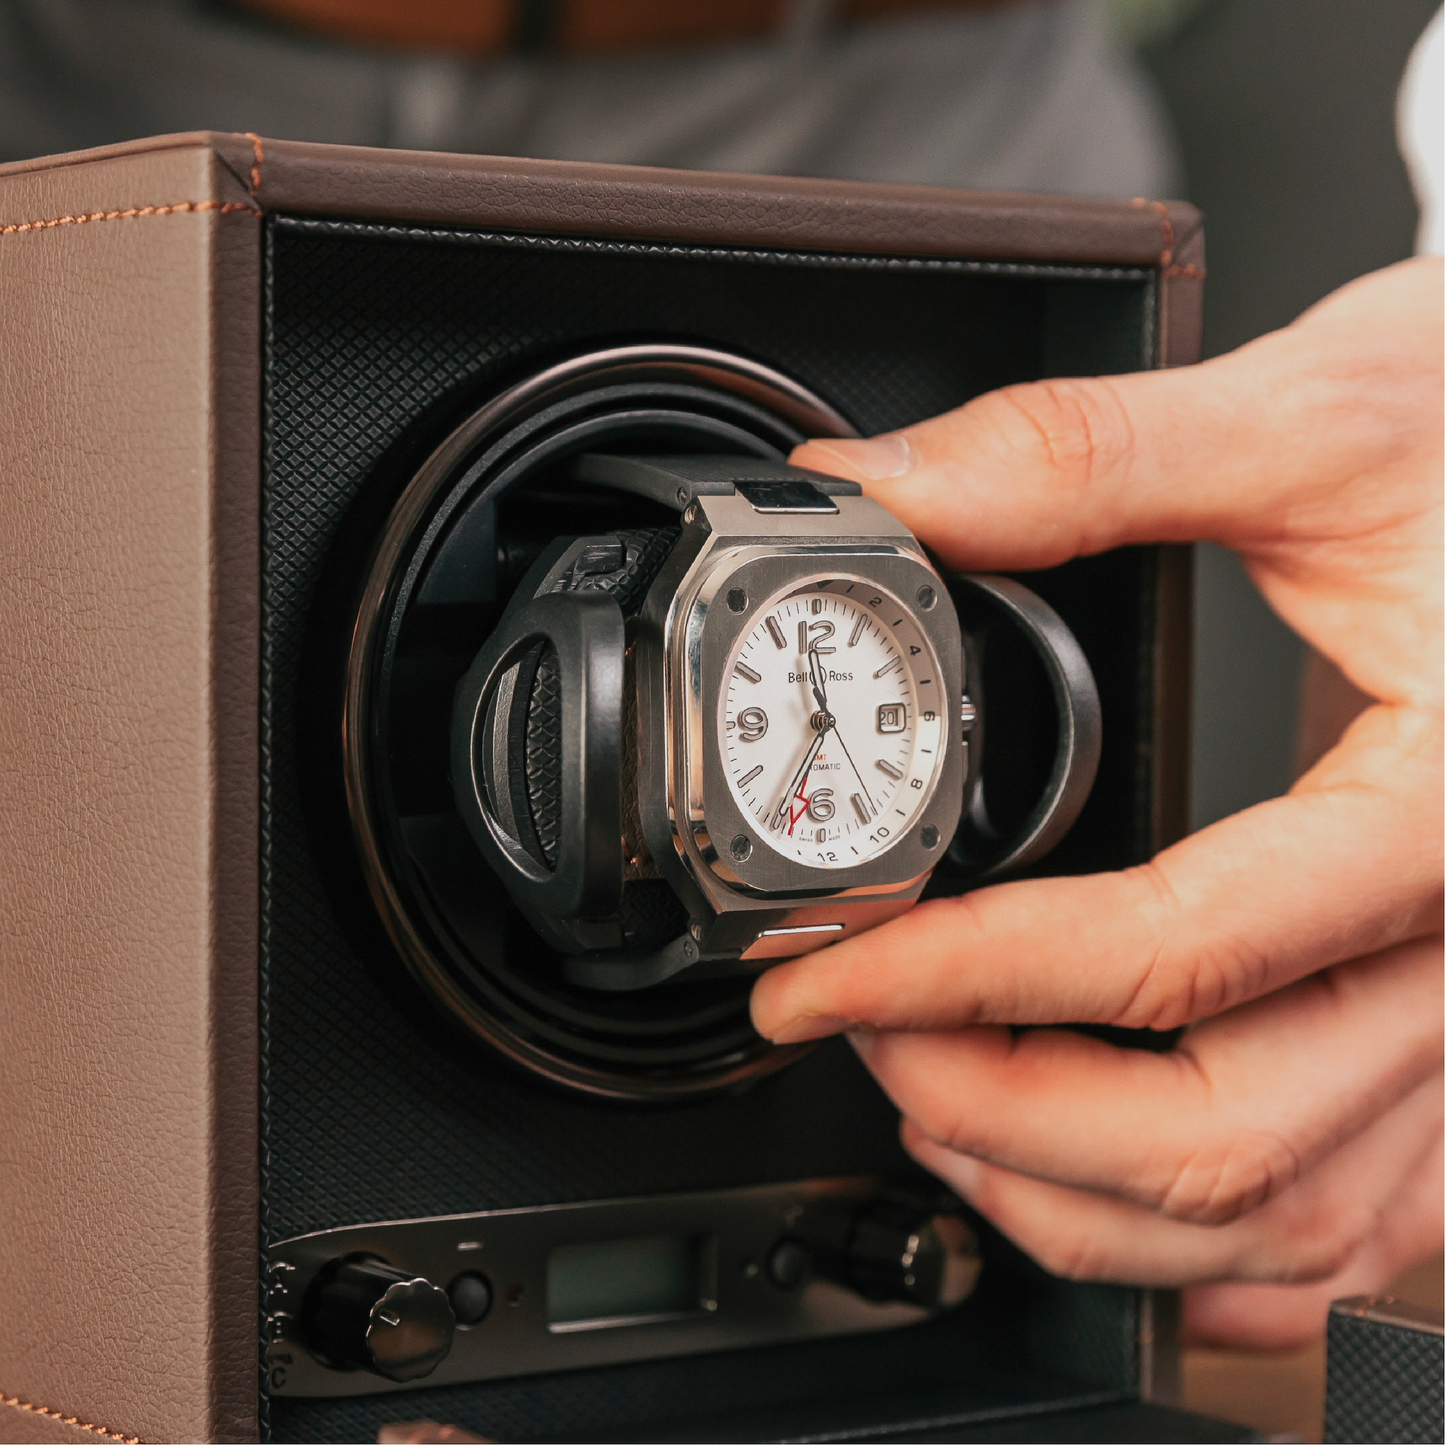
(1420, 124)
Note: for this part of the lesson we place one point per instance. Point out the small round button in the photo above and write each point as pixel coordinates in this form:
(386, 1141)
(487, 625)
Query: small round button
(789, 1264)
(471, 1297)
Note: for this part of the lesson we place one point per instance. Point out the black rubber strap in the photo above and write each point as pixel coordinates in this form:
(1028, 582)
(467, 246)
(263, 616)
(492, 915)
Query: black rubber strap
(772, 487)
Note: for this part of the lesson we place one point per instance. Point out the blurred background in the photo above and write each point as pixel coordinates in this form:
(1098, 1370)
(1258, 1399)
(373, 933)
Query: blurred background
(1276, 117)
(1284, 111)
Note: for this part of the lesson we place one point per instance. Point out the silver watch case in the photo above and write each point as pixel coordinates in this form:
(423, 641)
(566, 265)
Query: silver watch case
(682, 644)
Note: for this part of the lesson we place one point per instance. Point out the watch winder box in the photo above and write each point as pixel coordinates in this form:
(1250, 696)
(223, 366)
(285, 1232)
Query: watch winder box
(267, 1175)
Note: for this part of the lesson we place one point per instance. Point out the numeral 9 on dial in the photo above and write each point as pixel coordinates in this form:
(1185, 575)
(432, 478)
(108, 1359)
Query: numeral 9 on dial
(752, 724)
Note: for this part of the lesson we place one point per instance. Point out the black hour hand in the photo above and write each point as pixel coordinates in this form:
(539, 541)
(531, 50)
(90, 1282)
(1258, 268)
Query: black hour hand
(818, 678)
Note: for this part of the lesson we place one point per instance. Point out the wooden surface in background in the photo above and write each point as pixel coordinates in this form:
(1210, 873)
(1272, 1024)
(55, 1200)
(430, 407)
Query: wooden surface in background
(1282, 1393)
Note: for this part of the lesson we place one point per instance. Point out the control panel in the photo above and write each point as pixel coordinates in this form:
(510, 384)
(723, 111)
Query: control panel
(403, 1303)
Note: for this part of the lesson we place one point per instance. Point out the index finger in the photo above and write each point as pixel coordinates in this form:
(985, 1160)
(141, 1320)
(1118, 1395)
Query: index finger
(1232, 912)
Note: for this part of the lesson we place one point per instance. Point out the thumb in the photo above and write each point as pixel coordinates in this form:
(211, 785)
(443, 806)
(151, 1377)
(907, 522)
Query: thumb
(1225, 451)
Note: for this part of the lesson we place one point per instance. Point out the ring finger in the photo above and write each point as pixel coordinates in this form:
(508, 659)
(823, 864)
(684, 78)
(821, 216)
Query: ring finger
(1309, 1232)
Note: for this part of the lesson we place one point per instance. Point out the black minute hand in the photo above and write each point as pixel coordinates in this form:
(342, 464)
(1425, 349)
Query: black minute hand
(818, 678)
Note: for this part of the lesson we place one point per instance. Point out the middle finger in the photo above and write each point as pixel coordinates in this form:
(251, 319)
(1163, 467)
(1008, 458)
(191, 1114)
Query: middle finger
(1211, 1130)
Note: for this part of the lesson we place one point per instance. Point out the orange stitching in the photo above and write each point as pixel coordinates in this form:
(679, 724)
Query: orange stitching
(223, 207)
(1166, 227)
(69, 1420)
(1194, 273)
(256, 166)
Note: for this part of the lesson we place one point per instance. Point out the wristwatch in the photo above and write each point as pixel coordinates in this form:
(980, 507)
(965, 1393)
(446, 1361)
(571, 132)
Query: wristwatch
(631, 709)
(708, 746)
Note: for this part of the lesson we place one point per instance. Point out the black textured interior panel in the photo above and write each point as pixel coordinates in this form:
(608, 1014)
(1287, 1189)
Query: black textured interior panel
(1385, 1379)
(378, 340)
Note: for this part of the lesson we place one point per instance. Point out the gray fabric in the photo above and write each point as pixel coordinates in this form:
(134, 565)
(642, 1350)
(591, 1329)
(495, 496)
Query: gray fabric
(1029, 96)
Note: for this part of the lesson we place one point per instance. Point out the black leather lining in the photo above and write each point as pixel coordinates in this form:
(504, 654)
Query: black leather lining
(378, 340)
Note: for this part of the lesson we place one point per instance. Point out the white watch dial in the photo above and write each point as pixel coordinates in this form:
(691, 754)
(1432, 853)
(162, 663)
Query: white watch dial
(831, 721)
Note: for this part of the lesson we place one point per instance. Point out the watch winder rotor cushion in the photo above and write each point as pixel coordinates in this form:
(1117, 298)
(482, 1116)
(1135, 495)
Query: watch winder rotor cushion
(537, 755)
(496, 956)
(650, 914)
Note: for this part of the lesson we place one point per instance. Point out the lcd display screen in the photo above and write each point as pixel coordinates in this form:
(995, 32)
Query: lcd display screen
(626, 1281)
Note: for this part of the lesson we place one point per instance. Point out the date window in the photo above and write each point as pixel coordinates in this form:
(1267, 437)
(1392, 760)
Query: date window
(892, 716)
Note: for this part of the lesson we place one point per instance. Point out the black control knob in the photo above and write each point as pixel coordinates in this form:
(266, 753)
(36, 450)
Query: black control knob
(899, 1251)
(360, 1313)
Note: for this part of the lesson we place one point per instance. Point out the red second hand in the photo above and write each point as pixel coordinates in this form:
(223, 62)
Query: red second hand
(792, 816)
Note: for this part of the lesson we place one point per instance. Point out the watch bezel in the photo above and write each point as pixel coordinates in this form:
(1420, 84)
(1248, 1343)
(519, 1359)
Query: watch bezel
(709, 634)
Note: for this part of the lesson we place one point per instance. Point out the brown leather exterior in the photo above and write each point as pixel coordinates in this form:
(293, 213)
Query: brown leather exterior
(1181, 282)
(128, 677)
(640, 203)
(26, 1424)
(129, 422)
(1180, 300)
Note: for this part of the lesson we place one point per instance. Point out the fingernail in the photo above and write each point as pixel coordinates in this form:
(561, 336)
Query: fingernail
(963, 1174)
(862, 1040)
(409, 1432)
(808, 1026)
(876, 457)
(960, 1171)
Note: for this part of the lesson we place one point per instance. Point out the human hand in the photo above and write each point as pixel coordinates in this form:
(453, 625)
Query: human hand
(1288, 1150)
(426, 1432)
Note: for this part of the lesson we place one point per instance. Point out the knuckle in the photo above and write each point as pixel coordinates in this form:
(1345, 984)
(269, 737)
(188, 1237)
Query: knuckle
(1154, 1001)
(950, 1127)
(1221, 1180)
(1066, 1248)
(1186, 977)
(1324, 1244)
(1071, 429)
(966, 919)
